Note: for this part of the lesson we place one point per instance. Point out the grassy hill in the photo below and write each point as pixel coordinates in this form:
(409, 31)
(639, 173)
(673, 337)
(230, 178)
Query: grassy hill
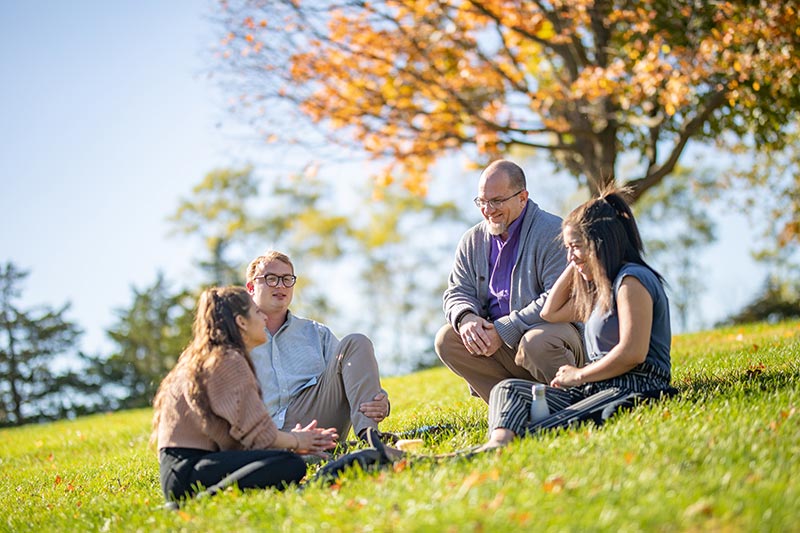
(724, 455)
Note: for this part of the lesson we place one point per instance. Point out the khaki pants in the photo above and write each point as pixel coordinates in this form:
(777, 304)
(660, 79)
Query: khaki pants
(541, 351)
(350, 379)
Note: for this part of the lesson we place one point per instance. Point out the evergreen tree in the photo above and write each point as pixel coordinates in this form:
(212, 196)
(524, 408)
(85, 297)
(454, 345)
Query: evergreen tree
(30, 342)
(150, 336)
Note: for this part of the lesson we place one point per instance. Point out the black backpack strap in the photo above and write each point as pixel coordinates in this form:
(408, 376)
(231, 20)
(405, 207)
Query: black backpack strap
(377, 456)
(366, 459)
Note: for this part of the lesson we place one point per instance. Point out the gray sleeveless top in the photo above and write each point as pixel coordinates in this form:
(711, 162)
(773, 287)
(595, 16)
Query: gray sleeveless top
(602, 330)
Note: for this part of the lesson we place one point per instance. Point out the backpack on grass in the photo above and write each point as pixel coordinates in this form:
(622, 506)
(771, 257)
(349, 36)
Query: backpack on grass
(372, 458)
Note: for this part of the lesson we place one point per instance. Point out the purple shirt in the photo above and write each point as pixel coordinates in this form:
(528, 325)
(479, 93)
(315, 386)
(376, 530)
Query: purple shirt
(502, 257)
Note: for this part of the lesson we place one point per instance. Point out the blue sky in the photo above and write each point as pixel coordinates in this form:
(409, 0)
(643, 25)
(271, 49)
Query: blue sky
(107, 118)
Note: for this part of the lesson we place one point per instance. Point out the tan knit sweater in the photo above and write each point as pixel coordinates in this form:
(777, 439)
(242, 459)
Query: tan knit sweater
(238, 419)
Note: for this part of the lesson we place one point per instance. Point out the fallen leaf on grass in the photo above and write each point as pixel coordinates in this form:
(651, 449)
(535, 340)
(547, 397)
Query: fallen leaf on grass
(553, 485)
(475, 478)
(399, 466)
(755, 369)
(496, 502)
(521, 518)
(775, 424)
(355, 504)
(702, 506)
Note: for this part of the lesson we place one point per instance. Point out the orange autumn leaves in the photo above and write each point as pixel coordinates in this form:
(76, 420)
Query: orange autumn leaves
(411, 80)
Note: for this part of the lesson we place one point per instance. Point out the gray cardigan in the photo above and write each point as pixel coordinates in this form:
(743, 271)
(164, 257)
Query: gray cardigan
(540, 260)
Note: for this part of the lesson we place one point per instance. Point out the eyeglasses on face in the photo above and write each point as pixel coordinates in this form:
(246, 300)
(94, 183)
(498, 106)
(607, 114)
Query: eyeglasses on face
(272, 280)
(494, 204)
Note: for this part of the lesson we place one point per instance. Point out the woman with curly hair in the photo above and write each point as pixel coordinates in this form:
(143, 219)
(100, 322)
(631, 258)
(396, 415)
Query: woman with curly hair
(210, 424)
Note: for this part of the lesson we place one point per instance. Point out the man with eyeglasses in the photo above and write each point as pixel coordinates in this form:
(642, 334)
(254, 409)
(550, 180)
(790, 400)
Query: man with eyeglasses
(502, 270)
(305, 372)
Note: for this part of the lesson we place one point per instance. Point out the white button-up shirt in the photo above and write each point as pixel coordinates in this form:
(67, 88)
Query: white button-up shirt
(292, 360)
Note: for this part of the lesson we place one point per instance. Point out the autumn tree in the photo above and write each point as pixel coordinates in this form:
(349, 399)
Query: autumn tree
(31, 340)
(217, 213)
(583, 81)
(771, 177)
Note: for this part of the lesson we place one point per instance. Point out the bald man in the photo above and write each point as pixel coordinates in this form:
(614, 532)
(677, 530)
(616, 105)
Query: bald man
(503, 268)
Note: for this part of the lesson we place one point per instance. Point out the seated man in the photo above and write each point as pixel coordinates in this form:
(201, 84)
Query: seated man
(305, 372)
(503, 268)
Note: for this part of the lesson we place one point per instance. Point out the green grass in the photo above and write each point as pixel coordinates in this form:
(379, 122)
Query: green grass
(723, 456)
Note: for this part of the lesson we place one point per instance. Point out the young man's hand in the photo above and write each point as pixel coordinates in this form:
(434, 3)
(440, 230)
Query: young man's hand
(378, 408)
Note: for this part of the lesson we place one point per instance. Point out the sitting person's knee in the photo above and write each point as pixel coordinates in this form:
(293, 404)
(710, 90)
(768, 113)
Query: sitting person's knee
(444, 336)
(544, 342)
(356, 339)
(502, 388)
(531, 355)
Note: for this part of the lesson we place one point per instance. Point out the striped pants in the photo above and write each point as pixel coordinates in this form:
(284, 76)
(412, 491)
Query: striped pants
(510, 400)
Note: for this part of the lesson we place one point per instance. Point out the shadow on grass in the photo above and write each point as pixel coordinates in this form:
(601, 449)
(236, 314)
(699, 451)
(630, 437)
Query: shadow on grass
(755, 379)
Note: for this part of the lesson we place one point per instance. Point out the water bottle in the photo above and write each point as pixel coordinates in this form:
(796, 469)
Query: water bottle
(539, 409)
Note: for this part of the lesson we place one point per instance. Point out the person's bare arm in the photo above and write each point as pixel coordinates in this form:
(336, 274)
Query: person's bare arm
(559, 306)
(635, 313)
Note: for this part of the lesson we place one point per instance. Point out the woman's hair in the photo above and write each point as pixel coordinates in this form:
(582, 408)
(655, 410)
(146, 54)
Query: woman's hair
(608, 229)
(215, 332)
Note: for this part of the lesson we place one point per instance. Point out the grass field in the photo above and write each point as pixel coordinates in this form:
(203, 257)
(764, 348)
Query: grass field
(722, 456)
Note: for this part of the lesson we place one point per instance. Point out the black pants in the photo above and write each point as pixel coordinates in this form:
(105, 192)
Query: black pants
(185, 471)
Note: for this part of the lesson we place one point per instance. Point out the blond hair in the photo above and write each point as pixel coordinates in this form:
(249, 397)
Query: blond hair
(268, 257)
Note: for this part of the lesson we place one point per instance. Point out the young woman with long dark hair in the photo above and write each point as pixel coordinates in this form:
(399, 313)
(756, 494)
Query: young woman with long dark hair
(210, 423)
(609, 287)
